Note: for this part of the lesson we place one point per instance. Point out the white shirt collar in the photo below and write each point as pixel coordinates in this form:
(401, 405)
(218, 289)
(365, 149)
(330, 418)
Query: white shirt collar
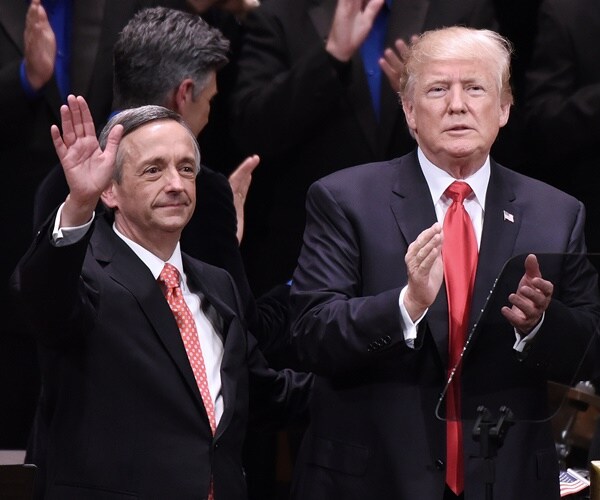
(438, 180)
(154, 263)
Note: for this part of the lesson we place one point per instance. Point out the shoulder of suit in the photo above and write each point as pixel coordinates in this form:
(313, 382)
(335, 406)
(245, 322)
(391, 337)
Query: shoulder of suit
(199, 266)
(366, 172)
(532, 187)
(213, 180)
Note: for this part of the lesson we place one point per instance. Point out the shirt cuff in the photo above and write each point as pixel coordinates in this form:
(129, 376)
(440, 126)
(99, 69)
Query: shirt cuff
(522, 342)
(409, 328)
(63, 236)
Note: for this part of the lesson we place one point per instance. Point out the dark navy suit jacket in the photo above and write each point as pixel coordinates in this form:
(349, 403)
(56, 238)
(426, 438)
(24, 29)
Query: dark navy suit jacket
(373, 431)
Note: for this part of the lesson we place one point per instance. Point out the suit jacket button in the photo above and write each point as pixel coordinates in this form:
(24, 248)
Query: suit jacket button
(439, 464)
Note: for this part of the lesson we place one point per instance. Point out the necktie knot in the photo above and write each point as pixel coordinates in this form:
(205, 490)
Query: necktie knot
(458, 191)
(169, 276)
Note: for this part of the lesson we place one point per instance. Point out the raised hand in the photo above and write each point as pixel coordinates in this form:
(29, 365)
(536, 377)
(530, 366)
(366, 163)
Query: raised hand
(240, 180)
(87, 168)
(40, 46)
(352, 22)
(531, 298)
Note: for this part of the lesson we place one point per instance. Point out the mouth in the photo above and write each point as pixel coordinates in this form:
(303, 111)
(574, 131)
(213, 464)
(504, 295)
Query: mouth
(172, 205)
(458, 128)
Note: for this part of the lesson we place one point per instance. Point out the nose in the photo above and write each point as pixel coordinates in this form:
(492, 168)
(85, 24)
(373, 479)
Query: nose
(173, 179)
(457, 102)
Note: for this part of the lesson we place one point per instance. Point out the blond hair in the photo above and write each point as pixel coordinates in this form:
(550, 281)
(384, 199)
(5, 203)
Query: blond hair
(459, 43)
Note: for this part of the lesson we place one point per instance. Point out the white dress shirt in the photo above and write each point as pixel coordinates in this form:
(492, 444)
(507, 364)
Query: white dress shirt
(211, 340)
(438, 181)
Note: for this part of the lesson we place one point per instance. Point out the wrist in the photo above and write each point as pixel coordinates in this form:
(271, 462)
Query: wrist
(338, 53)
(414, 308)
(33, 79)
(77, 212)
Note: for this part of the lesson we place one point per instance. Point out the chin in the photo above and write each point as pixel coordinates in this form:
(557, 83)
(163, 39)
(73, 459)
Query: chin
(174, 225)
(462, 150)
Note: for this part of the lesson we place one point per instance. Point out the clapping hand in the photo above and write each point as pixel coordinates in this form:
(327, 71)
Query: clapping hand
(40, 46)
(531, 298)
(393, 60)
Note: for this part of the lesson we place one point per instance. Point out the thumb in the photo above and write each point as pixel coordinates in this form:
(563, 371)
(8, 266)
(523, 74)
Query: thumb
(532, 267)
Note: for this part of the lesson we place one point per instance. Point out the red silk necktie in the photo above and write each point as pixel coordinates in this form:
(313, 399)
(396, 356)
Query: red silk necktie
(460, 262)
(169, 277)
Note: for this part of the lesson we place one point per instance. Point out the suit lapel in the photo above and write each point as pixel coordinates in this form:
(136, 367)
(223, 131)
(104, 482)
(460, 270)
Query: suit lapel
(414, 212)
(412, 205)
(125, 268)
(222, 315)
(502, 221)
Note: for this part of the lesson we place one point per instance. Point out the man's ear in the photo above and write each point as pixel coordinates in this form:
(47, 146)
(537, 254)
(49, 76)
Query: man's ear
(504, 113)
(108, 196)
(409, 108)
(183, 95)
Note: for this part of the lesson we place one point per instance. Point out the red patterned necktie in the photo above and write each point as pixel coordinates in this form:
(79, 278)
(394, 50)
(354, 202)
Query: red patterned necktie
(169, 277)
(460, 262)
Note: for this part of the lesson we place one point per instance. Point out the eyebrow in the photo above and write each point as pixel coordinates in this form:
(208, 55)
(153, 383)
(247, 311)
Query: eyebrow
(159, 159)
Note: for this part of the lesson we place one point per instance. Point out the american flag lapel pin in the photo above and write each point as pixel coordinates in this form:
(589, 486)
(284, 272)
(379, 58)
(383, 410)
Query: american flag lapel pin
(508, 216)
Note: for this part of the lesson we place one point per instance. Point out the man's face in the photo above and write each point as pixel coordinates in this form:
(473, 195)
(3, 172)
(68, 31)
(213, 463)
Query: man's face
(157, 193)
(196, 111)
(456, 112)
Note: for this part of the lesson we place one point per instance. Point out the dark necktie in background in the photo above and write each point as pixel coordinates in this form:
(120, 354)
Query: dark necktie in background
(60, 14)
(371, 51)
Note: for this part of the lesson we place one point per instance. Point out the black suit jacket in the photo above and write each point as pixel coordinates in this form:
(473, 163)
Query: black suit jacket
(307, 116)
(120, 410)
(563, 103)
(26, 145)
(25, 140)
(373, 431)
(210, 236)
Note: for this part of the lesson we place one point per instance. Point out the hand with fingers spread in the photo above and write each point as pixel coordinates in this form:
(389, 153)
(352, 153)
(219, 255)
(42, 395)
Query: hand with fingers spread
(531, 298)
(352, 22)
(392, 62)
(40, 46)
(87, 168)
(240, 180)
(425, 270)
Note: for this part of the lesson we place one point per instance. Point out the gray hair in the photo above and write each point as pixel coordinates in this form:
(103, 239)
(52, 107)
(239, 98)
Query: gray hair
(134, 118)
(462, 43)
(158, 49)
